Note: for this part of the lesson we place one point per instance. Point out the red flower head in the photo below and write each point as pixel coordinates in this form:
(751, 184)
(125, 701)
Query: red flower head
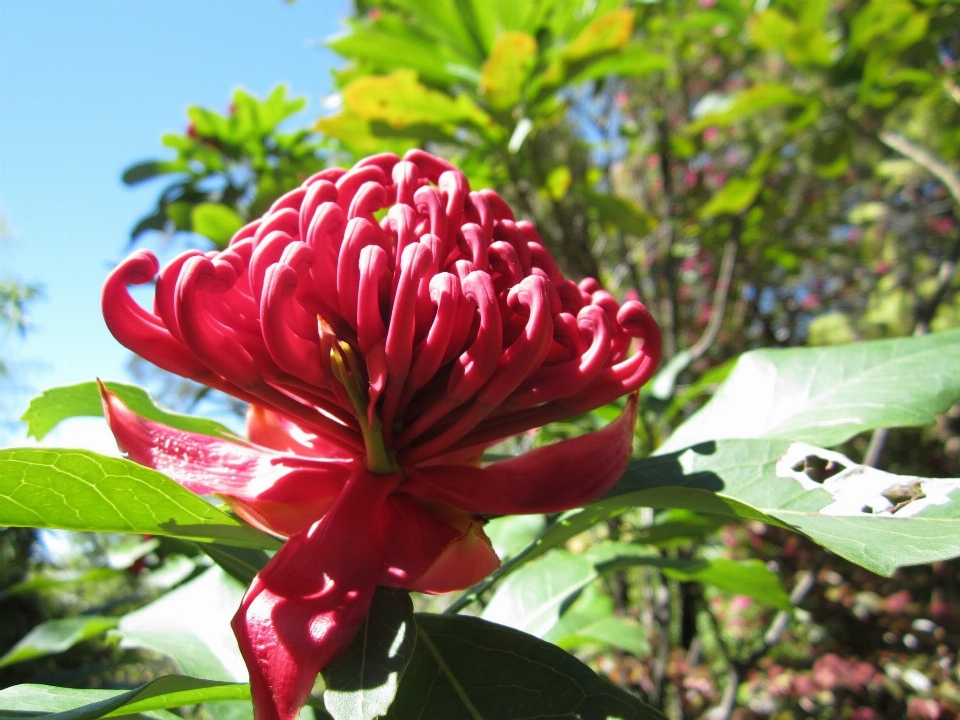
(380, 357)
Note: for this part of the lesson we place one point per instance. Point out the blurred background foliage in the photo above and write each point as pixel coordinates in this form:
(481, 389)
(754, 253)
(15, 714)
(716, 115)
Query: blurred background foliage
(759, 172)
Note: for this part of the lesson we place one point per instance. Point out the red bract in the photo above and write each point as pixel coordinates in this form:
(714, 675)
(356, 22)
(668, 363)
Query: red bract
(380, 358)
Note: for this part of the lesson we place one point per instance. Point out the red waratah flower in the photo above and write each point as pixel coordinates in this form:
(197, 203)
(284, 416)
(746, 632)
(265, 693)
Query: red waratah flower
(379, 358)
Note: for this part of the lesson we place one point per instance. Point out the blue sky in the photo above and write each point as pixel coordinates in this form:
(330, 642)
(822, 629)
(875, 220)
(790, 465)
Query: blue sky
(86, 88)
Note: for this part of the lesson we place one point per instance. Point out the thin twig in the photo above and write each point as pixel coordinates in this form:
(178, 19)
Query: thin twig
(727, 263)
(737, 668)
(925, 159)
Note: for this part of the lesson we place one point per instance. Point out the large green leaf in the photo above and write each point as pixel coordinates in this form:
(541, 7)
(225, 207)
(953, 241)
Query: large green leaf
(827, 395)
(192, 626)
(362, 682)
(875, 519)
(465, 668)
(81, 490)
(56, 636)
(533, 598)
(755, 479)
(56, 404)
(170, 691)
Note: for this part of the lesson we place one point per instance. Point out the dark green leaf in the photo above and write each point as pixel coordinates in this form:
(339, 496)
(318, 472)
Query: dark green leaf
(141, 172)
(54, 636)
(56, 404)
(361, 683)
(465, 668)
(81, 490)
(827, 395)
(241, 563)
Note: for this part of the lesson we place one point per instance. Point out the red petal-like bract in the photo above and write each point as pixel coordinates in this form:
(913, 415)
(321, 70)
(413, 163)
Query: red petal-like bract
(380, 358)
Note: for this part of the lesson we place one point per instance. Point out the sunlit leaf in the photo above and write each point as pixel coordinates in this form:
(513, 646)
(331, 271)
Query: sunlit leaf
(170, 691)
(81, 490)
(532, 599)
(827, 395)
(215, 221)
(505, 72)
(56, 404)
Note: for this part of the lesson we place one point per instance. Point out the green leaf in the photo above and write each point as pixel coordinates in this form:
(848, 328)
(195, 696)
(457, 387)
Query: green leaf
(81, 490)
(827, 395)
(48, 580)
(56, 404)
(191, 624)
(782, 483)
(55, 636)
(215, 221)
(241, 563)
(677, 527)
(751, 578)
(361, 683)
(400, 100)
(634, 60)
(512, 533)
(505, 72)
(141, 172)
(533, 598)
(604, 34)
(388, 45)
(733, 198)
(464, 667)
(170, 691)
(590, 620)
(621, 214)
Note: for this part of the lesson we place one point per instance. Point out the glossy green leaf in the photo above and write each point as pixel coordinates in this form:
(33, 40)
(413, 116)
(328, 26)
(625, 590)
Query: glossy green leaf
(533, 598)
(170, 691)
(215, 221)
(827, 395)
(506, 69)
(55, 636)
(467, 668)
(362, 682)
(733, 198)
(81, 490)
(56, 404)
